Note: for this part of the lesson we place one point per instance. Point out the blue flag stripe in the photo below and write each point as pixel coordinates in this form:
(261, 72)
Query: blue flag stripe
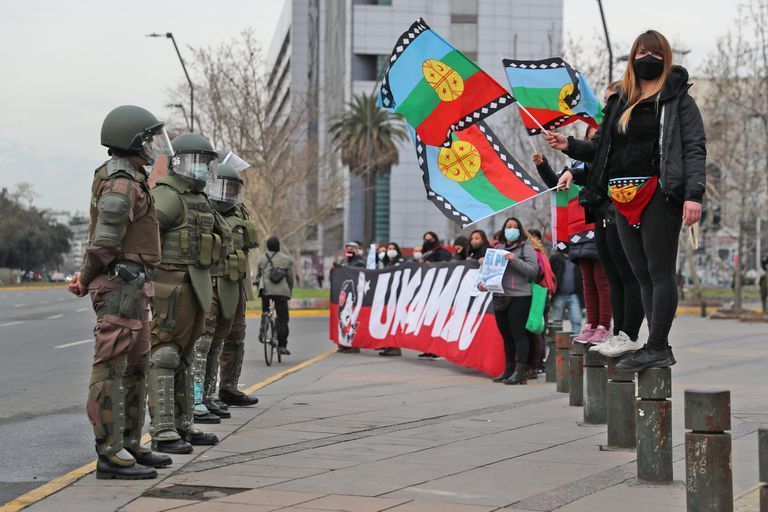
(544, 78)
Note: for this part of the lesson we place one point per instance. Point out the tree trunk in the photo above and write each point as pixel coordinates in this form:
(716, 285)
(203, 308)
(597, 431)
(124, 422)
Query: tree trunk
(737, 271)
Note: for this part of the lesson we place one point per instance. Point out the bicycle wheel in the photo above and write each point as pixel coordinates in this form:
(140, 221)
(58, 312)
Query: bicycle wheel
(273, 338)
(266, 340)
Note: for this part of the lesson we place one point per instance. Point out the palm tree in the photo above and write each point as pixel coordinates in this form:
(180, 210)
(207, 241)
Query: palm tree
(366, 136)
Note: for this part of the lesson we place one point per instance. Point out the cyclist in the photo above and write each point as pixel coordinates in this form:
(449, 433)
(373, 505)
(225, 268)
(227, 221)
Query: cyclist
(276, 278)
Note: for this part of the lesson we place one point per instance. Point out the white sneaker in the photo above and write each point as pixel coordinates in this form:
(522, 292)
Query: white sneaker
(597, 347)
(620, 345)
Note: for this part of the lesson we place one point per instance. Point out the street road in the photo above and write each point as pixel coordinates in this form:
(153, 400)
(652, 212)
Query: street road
(46, 347)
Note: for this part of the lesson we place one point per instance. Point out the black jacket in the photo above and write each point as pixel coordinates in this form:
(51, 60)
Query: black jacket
(557, 262)
(682, 169)
(438, 255)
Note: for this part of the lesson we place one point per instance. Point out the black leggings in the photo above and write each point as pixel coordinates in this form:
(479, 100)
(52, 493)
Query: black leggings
(511, 315)
(652, 252)
(626, 301)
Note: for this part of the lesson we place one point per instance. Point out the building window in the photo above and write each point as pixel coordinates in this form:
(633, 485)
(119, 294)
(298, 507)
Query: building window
(464, 36)
(464, 7)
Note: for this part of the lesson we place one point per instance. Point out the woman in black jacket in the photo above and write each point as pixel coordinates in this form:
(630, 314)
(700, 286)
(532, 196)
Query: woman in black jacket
(433, 251)
(651, 152)
(478, 244)
(461, 246)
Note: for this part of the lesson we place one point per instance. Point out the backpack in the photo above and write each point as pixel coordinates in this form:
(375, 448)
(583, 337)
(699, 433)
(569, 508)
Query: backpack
(275, 274)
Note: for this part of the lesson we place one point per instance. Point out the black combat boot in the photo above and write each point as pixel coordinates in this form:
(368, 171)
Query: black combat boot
(237, 399)
(504, 376)
(201, 438)
(108, 470)
(176, 446)
(208, 418)
(147, 457)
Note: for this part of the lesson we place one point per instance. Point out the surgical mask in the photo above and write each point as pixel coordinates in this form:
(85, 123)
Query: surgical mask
(380, 255)
(648, 67)
(417, 255)
(511, 234)
(392, 254)
(351, 254)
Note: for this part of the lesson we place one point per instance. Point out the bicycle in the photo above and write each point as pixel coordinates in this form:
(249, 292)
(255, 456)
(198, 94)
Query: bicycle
(268, 334)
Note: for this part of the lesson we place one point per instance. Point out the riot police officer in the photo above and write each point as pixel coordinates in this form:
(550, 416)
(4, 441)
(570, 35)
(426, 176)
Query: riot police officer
(122, 253)
(225, 193)
(191, 240)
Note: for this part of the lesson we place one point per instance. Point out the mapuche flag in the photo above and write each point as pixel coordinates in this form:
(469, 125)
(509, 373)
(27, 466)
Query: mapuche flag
(553, 92)
(435, 87)
(475, 177)
(569, 225)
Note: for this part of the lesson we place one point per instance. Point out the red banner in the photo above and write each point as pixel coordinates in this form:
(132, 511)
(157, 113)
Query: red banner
(432, 308)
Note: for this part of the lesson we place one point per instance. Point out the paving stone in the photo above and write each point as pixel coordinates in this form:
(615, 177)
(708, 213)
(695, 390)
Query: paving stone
(345, 503)
(270, 497)
(155, 505)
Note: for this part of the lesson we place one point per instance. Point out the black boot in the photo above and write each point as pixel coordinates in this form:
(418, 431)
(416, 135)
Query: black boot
(504, 376)
(237, 399)
(107, 470)
(520, 376)
(177, 446)
(647, 358)
(208, 418)
(202, 438)
(221, 405)
(147, 457)
(217, 411)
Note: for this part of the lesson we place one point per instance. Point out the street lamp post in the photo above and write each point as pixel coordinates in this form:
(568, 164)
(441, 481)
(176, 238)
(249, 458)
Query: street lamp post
(607, 42)
(183, 111)
(169, 35)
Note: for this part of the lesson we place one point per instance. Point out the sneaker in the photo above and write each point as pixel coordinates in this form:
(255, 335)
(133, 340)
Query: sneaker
(586, 332)
(647, 358)
(620, 344)
(607, 342)
(600, 334)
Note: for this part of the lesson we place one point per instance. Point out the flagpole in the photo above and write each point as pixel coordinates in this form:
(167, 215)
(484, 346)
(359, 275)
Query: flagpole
(521, 107)
(507, 208)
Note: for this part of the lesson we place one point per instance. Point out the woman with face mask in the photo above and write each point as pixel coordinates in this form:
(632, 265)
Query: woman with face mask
(461, 246)
(478, 244)
(511, 308)
(393, 257)
(648, 158)
(432, 251)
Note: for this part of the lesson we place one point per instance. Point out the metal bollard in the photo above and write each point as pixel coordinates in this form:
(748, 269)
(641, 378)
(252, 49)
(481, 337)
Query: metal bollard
(621, 407)
(576, 374)
(708, 476)
(596, 388)
(563, 341)
(762, 443)
(550, 365)
(654, 425)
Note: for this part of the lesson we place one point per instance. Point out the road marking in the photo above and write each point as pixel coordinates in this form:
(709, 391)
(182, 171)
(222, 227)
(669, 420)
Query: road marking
(74, 343)
(19, 305)
(80, 310)
(44, 302)
(54, 317)
(750, 500)
(73, 476)
(8, 324)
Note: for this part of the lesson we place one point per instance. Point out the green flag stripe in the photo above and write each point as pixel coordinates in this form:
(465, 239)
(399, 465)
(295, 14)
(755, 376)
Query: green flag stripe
(538, 97)
(423, 100)
(483, 190)
(563, 197)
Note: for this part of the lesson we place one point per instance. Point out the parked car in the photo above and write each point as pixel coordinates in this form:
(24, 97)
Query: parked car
(58, 277)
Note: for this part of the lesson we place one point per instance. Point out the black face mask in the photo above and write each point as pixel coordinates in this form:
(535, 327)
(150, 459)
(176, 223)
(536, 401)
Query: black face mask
(648, 67)
(428, 245)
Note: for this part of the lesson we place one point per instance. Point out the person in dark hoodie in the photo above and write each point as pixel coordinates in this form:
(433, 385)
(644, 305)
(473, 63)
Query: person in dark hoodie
(432, 250)
(649, 157)
(478, 243)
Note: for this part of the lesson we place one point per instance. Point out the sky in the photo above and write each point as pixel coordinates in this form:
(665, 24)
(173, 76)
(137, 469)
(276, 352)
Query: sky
(66, 64)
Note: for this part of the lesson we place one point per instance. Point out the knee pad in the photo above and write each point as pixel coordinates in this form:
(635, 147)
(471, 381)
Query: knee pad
(166, 356)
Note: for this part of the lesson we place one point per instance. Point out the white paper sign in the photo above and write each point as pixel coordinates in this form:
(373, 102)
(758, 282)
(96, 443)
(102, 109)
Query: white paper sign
(492, 270)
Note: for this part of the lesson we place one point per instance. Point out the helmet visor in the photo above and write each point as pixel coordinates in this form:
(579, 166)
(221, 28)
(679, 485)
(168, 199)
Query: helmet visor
(156, 144)
(234, 161)
(197, 167)
(225, 190)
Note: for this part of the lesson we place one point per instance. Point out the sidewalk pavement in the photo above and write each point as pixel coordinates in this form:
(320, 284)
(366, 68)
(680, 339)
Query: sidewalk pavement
(358, 433)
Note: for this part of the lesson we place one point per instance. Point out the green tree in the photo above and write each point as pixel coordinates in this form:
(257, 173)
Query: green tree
(366, 136)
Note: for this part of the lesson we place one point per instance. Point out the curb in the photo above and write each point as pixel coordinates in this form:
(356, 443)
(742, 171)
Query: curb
(293, 312)
(28, 288)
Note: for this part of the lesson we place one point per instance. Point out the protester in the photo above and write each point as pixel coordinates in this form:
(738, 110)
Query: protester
(535, 236)
(546, 279)
(512, 307)
(594, 281)
(353, 256)
(478, 242)
(381, 253)
(433, 251)
(417, 254)
(461, 246)
(657, 182)
(393, 257)
(569, 291)
(763, 282)
(278, 291)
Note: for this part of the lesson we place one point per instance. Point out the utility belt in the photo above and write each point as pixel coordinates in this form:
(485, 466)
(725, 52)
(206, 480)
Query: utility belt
(127, 300)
